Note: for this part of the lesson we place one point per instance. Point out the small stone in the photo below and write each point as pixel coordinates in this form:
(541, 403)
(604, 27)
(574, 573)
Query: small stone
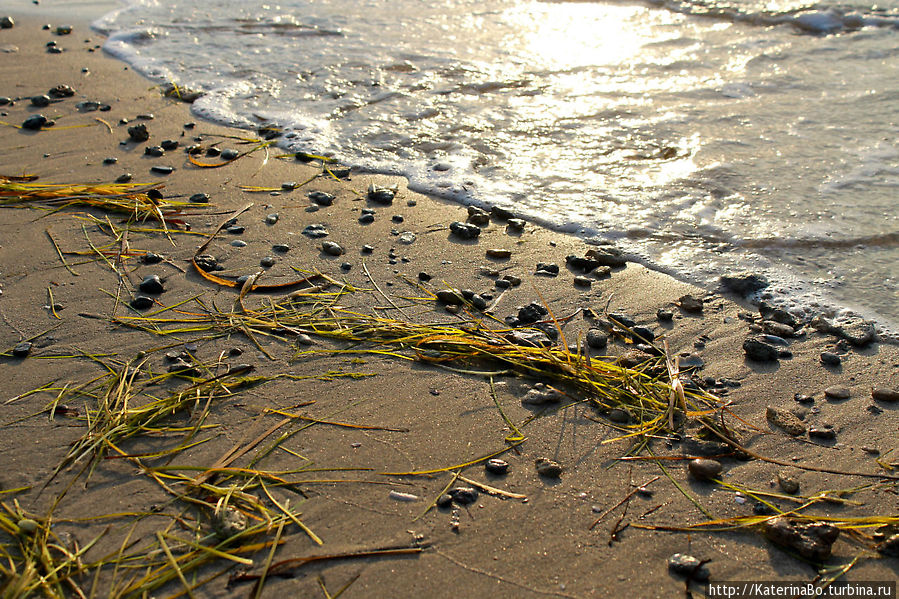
(548, 468)
(206, 262)
(823, 433)
(331, 248)
(704, 469)
(22, 349)
(281, 248)
(124, 178)
(496, 466)
(530, 338)
(199, 198)
(689, 567)
(856, 330)
(321, 198)
(547, 269)
(691, 304)
(540, 395)
(230, 154)
(787, 421)
(304, 339)
(607, 256)
(380, 195)
(885, 394)
(406, 238)
(267, 262)
(463, 495)
(532, 312)
(162, 169)
(619, 416)
(744, 283)
(812, 541)
(64, 30)
(464, 230)
(837, 392)
(397, 218)
(7, 22)
(151, 284)
(213, 151)
(788, 484)
(582, 281)
(110, 160)
(35, 122)
(585, 265)
(315, 231)
(664, 315)
(449, 296)
(367, 249)
(444, 501)
(366, 219)
(142, 302)
(759, 351)
(235, 229)
(513, 280)
(597, 339)
(777, 329)
(152, 258)
(398, 496)
(271, 219)
(41, 101)
(169, 145)
(499, 254)
(239, 243)
(61, 91)
(154, 151)
(889, 547)
(138, 133)
(516, 224)
(502, 284)
(830, 359)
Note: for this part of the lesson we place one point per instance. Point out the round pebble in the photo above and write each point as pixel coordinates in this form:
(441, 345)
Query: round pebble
(830, 359)
(837, 392)
(239, 243)
(704, 469)
(267, 262)
(331, 248)
(142, 302)
(885, 394)
(151, 284)
(496, 466)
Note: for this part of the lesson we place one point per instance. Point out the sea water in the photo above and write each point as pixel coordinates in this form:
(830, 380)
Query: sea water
(703, 138)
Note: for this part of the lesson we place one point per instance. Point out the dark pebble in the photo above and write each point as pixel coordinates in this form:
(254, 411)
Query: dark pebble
(823, 433)
(213, 151)
(689, 567)
(830, 359)
(315, 231)
(664, 315)
(138, 133)
(582, 281)
(110, 160)
(155, 151)
(496, 466)
(151, 284)
(597, 339)
(124, 178)
(267, 262)
(423, 276)
(464, 230)
(199, 198)
(281, 248)
(142, 302)
(367, 249)
(744, 283)
(445, 501)
(206, 262)
(759, 351)
(35, 122)
(380, 195)
(547, 269)
(704, 469)
(151, 258)
(230, 154)
(162, 169)
(502, 284)
(548, 468)
(345, 266)
(235, 229)
(885, 394)
(366, 219)
(7, 22)
(691, 304)
(239, 243)
(463, 495)
(169, 144)
(837, 392)
(22, 349)
(449, 296)
(41, 101)
(516, 224)
(271, 219)
(321, 198)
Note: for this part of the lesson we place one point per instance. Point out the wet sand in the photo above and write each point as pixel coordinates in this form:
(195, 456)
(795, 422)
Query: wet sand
(539, 546)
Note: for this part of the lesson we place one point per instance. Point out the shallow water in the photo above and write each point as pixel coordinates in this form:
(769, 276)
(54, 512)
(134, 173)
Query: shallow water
(704, 138)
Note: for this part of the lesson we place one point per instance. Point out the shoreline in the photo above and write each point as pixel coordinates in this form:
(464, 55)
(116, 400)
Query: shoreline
(421, 417)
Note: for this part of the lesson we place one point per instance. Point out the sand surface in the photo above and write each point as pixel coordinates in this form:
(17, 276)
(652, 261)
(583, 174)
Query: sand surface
(407, 415)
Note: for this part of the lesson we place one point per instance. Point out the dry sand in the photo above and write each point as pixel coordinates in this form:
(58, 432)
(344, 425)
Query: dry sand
(541, 546)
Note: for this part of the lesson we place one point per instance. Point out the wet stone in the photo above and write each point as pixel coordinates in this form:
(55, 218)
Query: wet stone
(644, 333)
(321, 198)
(619, 416)
(41, 101)
(704, 469)
(464, 230)
(496, 466)
(35, 122)
(531, 312)
(315, 231)
(207, 262)
(151, 284)
(502, 284)
(778, 329)
(110, 160)
(689, 567)
(397, 218)
(239, 243)
(380, 195)
(281, 248)
(151, 258)
(22, 349)
(607, 256)
(162, 169)
(786, 421)
(366, 219)
(584, 265)
(744, 283)
(367, 249)
(235, 229)
(61, 91)
(837, 392)
(449, 296)
(331, 248)
(516, 224)
(230, 154)
(267, 262)
(142, 302)
(885, 394)
(7, 22)
(199, 198)
(548, 468)
(406, 238)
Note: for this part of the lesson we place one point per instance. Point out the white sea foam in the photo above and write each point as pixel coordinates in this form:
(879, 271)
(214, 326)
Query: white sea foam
(702, 137)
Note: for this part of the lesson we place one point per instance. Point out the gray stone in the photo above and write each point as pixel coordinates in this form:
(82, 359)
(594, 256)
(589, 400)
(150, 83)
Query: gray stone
(331, 248)
(7, 22)
(464, 230)
(854, 329)
(380, 195)
(499, 254)
(548, 468)
(582, 281)
(597, 339)
(162, 169)
(823, 433)
(606, 256)
(788, 483)
(496, 466)
(689, 567)
(138, 133)
(784, 420)
(141, 302)
(449, 296)
(321, 198)
(463, 495)
(516, 224)
(151, 284)
(830, 359)
(199, 198)
(837, 392)
(885, 394)
(813, 541)
(316, 231)
(530, 338)
(691, 304)
(778, 329)
(35, 122)
(22, 349)
(744, 283)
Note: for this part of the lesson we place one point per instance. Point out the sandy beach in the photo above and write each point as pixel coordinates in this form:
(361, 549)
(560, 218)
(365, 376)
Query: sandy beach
(357, 440)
